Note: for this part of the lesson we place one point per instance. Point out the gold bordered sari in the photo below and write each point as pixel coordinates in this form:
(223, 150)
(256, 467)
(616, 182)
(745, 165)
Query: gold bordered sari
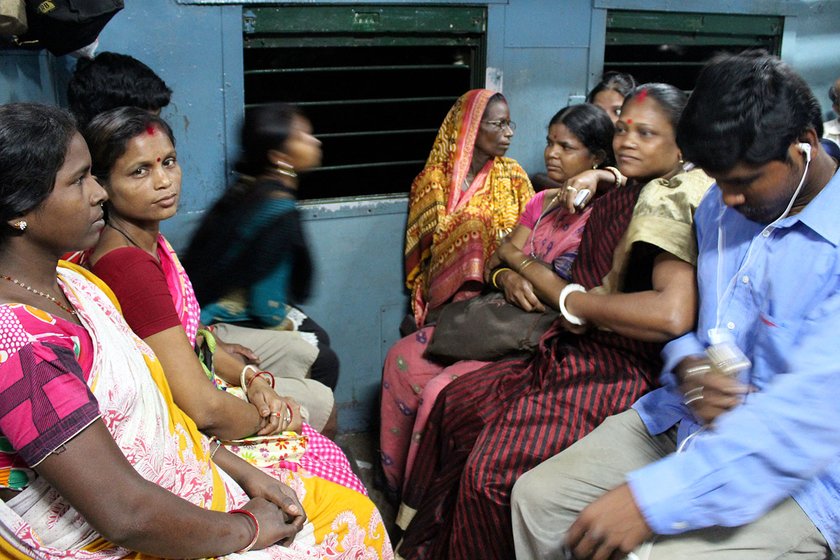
(451, 232)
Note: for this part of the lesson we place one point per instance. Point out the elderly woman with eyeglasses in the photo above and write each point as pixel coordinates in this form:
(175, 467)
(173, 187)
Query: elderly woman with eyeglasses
(466, 199)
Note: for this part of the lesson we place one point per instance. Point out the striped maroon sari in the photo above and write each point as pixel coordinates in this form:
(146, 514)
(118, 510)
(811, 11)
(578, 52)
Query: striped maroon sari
(492, 425)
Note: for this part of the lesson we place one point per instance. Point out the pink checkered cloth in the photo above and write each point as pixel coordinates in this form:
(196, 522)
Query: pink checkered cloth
(323, 458)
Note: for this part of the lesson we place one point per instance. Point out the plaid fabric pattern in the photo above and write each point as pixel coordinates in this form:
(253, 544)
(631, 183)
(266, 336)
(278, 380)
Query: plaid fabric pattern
(325, 459)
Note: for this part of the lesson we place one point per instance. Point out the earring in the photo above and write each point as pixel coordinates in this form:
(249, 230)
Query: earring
(284, 168)
(682, 161)
(21, 225)
(594, 166)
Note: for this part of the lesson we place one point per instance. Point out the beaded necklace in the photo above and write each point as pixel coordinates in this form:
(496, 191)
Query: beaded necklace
(544, 213)
(69, 310)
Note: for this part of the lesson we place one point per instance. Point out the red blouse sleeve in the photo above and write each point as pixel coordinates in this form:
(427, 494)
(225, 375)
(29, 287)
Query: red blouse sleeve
(139, 283)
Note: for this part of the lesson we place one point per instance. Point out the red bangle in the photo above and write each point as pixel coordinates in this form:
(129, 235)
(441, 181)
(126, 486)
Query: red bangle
(248, 383)
(269, 378)
(256, 528)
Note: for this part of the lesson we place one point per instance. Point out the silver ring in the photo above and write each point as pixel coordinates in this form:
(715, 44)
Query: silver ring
(693, 395)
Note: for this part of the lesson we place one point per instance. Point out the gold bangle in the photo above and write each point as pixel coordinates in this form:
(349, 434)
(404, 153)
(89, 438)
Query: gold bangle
(526, 265)
(495, 275)
(218, 445)
(619, 178)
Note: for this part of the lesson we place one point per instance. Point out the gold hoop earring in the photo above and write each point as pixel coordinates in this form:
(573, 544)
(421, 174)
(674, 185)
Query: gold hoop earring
(284, 168)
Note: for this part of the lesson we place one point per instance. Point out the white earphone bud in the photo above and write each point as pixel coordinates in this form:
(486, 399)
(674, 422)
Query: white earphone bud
(805, 148)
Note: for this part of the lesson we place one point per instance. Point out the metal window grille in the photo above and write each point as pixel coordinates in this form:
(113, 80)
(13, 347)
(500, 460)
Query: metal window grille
(672, 47)
(376, 83)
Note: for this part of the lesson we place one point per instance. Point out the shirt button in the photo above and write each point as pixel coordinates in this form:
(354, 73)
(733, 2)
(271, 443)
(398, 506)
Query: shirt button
(730, 325)
(679, 525)
(765, 233)
(745, 279)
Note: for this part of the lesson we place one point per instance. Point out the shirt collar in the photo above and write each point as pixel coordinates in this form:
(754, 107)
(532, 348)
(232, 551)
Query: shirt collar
(821, 213)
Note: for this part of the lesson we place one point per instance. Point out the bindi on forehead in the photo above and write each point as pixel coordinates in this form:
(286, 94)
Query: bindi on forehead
(151, 129)
(158, 160)
(629, 121)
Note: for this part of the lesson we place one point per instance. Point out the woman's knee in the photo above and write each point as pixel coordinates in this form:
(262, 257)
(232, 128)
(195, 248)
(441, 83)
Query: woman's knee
(326, 367)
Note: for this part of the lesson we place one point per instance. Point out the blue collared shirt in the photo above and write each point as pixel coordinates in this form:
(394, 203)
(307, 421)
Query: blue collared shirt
(777, 291)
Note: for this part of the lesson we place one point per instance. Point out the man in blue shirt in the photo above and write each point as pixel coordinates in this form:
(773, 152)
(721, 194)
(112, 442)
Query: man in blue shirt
(738, 454)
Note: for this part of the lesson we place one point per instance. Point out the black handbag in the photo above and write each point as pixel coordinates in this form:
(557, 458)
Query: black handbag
(486, 328)
(63, 26)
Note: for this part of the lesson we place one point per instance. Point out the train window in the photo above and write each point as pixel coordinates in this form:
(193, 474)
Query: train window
(375, 81)
(672, 47)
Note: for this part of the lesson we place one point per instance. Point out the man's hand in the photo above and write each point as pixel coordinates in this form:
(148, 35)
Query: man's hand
(708, 393)
(243, 353)
(610, 527)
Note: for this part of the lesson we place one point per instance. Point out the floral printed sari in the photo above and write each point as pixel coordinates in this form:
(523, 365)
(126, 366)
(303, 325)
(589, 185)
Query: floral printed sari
(158, 439)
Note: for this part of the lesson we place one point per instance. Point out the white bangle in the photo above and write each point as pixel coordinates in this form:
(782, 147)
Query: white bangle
(243, 383)
(561, 303)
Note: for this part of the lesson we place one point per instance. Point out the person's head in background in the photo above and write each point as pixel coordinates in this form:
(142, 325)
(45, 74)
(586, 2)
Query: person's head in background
(610, 92)
(834, 95)
(114, 80)
(579, 138)
(277, 140)
(752, 123)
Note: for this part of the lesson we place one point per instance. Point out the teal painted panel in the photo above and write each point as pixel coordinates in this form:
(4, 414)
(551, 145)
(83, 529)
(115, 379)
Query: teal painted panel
(538, 83)
(548, 23)
(358, 296)
(361, 19)
(28, 76)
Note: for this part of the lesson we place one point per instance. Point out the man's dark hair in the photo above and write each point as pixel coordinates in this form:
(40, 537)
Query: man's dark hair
(34, 140)
(114, 80)
(747, 107)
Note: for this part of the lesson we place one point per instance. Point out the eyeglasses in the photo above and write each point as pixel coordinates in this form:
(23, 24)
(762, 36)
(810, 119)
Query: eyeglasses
(499, 125)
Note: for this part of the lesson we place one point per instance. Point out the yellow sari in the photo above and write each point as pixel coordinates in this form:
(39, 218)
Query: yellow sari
(451, 233)
(165, 447)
